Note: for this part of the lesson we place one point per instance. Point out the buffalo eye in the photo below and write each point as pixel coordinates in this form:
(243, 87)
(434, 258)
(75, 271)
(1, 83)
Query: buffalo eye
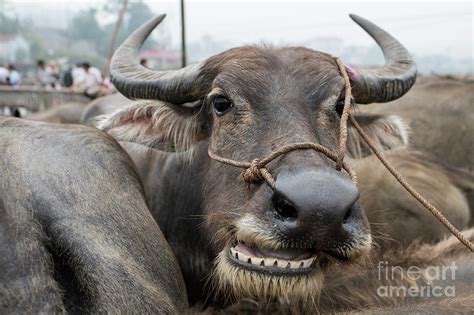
(221, 104)
(340, 106)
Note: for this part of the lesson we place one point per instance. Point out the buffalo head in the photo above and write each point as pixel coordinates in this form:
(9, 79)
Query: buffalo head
(243, 104)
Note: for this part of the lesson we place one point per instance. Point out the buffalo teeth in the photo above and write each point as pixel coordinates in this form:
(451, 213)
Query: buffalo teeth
(282, 263)
(307, 262)
(273, 262)
(294, 264)
(244, 257)
(268, 262)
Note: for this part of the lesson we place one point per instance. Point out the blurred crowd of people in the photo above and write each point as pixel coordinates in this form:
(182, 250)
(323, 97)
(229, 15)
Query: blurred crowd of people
(80, 77)
(9, 75)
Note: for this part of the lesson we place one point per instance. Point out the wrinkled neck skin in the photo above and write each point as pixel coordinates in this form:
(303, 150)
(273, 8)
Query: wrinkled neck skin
(173, 193)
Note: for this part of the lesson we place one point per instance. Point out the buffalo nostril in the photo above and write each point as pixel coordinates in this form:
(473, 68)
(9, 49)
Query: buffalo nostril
(348, 214)
(283, 207)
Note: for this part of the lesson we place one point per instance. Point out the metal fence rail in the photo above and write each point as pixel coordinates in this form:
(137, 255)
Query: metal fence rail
(38, 99)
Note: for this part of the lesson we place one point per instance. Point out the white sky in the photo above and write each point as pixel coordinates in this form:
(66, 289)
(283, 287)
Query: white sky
(424, 27)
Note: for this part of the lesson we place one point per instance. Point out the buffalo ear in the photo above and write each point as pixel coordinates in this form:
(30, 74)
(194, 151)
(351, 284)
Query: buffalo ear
(386, 131)
(156, 124)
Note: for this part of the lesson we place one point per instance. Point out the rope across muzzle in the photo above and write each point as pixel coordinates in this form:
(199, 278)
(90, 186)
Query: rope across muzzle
(257, 171)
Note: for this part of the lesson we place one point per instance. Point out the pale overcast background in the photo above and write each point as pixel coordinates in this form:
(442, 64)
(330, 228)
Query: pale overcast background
(425, 28)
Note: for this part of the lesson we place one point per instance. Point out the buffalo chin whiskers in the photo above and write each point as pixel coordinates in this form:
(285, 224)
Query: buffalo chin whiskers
(240, 283)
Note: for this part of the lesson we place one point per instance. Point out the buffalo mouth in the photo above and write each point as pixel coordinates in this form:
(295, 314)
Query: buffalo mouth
(256, 262)
(282, 261)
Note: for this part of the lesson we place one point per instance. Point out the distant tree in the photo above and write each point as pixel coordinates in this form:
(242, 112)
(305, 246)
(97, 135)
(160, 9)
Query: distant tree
(108, 29)
(137, 13)
(9, 25)
(112, 6)
(84, 26)
(37, 49)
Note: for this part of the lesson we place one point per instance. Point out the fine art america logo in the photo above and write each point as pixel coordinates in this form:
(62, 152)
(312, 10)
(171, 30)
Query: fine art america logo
(414, 281)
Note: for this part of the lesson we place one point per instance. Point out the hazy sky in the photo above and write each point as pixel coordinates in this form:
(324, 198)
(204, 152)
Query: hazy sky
(424, 27)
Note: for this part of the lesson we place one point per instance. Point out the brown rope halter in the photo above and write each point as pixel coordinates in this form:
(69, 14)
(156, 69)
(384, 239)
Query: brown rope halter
(256, 171)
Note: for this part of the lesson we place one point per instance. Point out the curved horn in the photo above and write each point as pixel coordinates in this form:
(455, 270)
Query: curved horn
(386, 83)
(137, 82)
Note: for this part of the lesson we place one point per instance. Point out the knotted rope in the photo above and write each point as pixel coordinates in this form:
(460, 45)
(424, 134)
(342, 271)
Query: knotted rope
(256, 171)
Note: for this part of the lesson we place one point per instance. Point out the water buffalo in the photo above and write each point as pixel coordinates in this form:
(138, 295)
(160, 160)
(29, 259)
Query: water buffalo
(438, 110)
(396, 218)
(75, 231)
(103, 105)
(68, 113)
(249, 240)
(79, 113)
